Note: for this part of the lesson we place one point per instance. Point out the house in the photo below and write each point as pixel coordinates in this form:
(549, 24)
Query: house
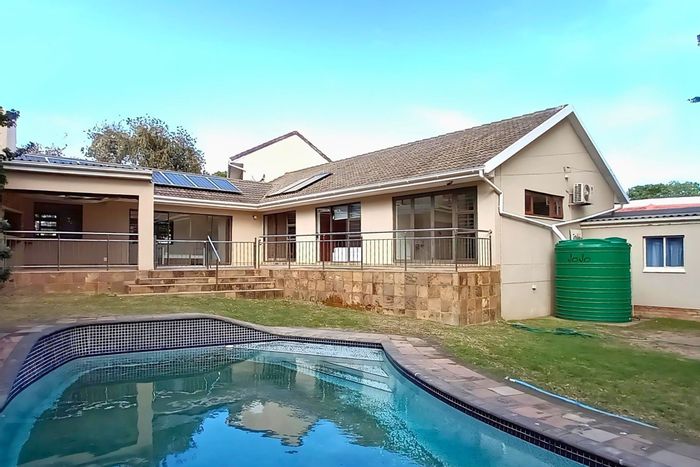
(457, 228)
(273, 158)
(664, 234)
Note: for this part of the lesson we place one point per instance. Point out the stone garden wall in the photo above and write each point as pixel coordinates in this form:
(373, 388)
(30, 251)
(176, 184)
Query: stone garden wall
(89, 282)
(457, 298)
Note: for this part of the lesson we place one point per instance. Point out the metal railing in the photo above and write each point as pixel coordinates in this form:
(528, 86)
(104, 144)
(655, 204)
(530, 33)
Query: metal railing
(203, 253)
(54, 249)
(449, 247)
(218, 261)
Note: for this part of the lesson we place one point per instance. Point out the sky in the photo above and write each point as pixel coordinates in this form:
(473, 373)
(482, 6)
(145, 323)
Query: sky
(362, 75)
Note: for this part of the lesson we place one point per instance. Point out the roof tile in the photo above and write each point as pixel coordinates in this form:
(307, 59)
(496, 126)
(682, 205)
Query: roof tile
(464, 149)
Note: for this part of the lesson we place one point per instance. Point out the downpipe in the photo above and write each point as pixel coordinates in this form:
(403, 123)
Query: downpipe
(553, 227)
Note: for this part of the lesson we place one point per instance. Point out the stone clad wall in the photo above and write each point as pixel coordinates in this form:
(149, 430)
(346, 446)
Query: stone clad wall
(89, 282)
(457, 298)
(642, 311)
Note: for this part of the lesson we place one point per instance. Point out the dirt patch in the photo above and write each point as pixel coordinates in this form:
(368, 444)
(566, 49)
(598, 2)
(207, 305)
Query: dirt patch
(684, 344)
(338, 302)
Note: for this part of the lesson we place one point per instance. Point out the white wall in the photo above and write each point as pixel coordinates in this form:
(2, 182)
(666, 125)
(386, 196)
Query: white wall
(526, 252)
(271, 162)
(662, 289)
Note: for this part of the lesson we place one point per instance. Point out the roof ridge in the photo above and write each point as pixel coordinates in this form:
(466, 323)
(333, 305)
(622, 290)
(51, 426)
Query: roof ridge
(557, 108)
(277, 140)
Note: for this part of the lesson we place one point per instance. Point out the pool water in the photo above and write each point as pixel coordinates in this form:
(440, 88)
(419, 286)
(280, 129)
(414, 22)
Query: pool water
(268, 404)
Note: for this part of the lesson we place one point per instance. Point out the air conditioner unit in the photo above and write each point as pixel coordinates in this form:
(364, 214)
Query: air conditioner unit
(582, 194)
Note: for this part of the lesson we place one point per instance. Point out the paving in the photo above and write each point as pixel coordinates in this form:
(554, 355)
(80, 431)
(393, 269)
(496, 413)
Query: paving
(607, 439)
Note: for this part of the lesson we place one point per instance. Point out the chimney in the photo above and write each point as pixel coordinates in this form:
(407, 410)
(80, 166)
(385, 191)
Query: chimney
(235, 171)
(8, 138)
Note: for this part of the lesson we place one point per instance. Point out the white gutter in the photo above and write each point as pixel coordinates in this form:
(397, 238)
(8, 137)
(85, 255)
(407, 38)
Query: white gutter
(553, 227)
(175, 200)
(71, 169)
(642, 221)
(454, 176)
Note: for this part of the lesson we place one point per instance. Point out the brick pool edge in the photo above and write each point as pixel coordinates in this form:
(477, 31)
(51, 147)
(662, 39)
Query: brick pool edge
(587, 437)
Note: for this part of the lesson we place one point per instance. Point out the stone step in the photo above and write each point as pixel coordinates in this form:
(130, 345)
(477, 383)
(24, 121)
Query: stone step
(261, 294)
(168, 273)
(132, 288)
(200, 280)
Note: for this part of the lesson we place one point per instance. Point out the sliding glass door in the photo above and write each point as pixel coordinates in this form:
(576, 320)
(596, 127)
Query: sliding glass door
(282, 227)
(181, 238)
(338, 229)
(426, 223)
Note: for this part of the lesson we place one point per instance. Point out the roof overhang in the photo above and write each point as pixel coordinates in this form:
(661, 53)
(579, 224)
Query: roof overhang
(425, 181)
(566, 113)
(639, 221)
(86, 171)
(204, 203)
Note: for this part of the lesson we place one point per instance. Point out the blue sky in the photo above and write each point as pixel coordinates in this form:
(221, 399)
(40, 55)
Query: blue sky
(362, 75)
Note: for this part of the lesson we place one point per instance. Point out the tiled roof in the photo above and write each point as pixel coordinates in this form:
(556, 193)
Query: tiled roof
(654, 209)
(252, 192)
(641, 214)
(460, 150)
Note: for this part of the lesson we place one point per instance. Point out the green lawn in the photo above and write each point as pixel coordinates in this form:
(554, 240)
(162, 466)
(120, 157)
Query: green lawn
(605, 371)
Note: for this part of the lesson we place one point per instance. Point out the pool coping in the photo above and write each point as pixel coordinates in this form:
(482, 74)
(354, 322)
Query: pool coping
(585, 436)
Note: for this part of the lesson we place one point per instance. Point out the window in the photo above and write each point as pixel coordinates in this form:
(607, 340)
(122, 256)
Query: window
(283, 247)
(433, 216)
(663, 254)
(53, 217)
(338, 230)
(542, 204)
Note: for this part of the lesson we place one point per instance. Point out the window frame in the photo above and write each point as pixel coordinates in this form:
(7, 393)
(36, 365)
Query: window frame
(664, 268)
(558, 201)
(288, 220)
(469, 191)
(455, 212)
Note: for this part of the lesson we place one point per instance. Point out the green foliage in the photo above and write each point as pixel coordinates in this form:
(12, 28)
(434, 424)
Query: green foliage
(36, 148)
(8, 118)
(665, 190)
(146, 142)
(220, 173)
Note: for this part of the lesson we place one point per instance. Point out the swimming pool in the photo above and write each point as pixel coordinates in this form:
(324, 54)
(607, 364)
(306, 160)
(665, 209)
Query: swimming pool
(264, 404)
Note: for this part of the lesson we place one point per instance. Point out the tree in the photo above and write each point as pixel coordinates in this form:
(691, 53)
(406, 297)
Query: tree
(36, 148)
(146, 142)
(8, 119)
(665, 190)
(220, 173)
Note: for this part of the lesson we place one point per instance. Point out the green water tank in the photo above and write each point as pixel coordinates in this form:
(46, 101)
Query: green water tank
(592, 280)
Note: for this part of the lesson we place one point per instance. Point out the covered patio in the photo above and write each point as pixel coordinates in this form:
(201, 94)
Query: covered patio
(72, 230)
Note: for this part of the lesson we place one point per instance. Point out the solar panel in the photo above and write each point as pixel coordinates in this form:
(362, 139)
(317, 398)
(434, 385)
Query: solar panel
(224, 185)
(31, 158)
(301, 184)
(61, 160)
(159, 178)
(201, 181)
(310, 181)
(179, 179)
